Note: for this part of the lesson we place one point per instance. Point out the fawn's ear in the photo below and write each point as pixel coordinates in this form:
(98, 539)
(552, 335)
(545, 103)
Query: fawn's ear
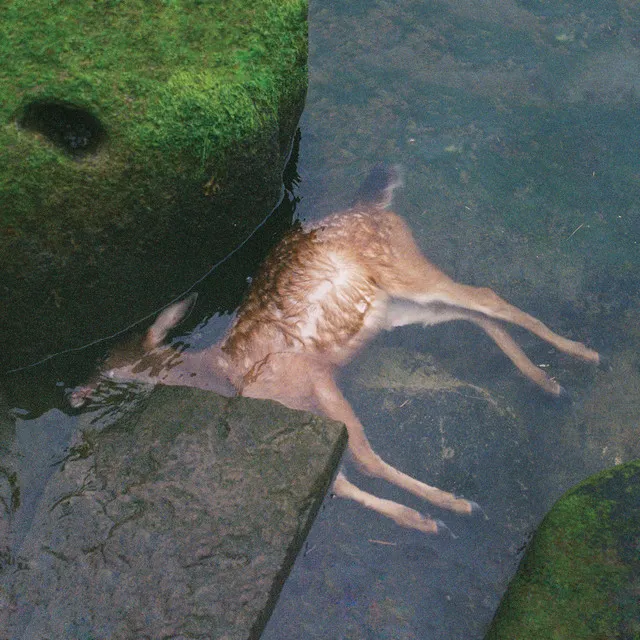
(168, 319)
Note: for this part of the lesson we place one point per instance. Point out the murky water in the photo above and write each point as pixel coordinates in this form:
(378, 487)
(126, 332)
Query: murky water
(517, 126)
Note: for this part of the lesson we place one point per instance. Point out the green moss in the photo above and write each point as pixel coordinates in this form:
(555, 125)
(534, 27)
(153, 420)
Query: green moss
(168, 77)
(195, 105)
(579, 569)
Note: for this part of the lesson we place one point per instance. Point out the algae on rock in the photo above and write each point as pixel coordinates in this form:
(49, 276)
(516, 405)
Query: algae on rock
(579, 578)
(139, 144)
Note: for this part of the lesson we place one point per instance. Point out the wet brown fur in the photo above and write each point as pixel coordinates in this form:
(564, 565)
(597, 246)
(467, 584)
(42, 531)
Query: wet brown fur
(320, 296)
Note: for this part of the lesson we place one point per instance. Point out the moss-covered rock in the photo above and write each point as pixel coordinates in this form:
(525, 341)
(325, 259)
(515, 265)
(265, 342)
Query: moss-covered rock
(580, 576)
(139, 143)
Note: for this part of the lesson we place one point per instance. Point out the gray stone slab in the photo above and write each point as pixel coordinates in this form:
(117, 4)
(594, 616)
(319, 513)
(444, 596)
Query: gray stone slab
(179, 520)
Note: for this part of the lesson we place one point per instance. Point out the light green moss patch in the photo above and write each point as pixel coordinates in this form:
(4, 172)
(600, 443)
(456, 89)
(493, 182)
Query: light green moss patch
(166, 78)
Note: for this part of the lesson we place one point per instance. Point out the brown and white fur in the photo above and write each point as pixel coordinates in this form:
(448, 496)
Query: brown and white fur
(323, 293)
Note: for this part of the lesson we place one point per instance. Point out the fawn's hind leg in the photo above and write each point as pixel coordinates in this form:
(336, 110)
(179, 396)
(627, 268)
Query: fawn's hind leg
(402, 313)
(490, 304)
(407, 274)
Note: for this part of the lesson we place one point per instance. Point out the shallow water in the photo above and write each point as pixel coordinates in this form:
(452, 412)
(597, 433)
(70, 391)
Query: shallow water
(516, 124)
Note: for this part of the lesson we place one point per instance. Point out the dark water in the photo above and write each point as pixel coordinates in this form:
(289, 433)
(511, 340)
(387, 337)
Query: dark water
(517, 126)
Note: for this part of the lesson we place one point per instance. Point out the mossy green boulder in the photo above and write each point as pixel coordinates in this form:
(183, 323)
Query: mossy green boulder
(140, 142)
(580, 577)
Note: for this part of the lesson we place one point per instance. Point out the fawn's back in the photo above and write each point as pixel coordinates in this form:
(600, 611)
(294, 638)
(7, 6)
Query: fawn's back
(318, 293)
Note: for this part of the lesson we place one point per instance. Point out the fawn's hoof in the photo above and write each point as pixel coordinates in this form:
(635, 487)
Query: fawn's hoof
(564, 397)
(604, 362)
(444, 531)
(477, 511)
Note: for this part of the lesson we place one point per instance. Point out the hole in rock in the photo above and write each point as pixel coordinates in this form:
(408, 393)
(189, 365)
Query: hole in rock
(72, 129)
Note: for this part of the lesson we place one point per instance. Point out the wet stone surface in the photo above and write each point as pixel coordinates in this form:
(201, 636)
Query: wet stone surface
(181, 519)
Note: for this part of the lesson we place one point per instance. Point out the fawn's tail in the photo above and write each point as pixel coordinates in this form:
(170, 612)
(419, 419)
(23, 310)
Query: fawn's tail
(378, 187)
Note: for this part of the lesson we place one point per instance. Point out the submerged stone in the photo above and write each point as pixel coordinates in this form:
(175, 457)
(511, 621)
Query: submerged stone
(580, 575)
(181, 519)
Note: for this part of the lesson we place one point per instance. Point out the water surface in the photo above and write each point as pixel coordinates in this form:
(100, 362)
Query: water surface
(517, 126)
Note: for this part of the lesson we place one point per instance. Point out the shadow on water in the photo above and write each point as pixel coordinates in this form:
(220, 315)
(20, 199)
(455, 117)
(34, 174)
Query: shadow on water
(37, 388)
(37, 424)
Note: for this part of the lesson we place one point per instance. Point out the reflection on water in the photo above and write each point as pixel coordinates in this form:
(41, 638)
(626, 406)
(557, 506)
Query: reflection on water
(517, 125)
(39, 429)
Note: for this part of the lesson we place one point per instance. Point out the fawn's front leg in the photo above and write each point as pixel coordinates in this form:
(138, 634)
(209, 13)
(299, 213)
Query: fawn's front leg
(335, 406)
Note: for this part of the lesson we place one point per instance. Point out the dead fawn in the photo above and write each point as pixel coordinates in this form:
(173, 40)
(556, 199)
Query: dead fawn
(321, 295)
